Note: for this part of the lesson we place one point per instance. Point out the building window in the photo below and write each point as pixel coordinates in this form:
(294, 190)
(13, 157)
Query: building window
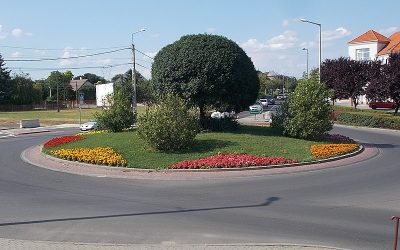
(362, 54)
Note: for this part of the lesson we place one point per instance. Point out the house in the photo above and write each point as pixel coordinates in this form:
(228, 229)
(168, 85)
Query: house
(102, 91)
(76, 85)
(373, 46)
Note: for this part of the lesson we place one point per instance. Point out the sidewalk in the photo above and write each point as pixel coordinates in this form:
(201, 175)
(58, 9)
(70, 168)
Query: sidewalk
(8, 244)
(10, 132)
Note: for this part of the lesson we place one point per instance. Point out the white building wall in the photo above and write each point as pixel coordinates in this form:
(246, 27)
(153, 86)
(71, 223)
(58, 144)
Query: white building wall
(372, 46)
(102, 90)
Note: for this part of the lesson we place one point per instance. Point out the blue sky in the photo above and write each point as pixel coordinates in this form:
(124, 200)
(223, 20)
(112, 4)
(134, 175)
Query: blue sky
(269, 31)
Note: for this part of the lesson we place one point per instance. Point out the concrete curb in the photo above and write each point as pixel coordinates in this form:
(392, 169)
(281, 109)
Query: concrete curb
(8, 244)
(34, 156)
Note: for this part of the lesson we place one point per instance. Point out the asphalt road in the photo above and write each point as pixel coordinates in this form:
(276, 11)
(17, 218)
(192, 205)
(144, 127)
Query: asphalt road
(347, 207)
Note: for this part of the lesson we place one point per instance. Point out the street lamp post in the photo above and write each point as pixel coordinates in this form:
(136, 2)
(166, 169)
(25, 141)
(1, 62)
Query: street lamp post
(134, 99)
(319, 25)
(307, 59)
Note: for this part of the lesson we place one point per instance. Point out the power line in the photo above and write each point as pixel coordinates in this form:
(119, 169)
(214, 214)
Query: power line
(142, 66)
(46, 49)
(64, 58)
(144, 54)
(68, 68)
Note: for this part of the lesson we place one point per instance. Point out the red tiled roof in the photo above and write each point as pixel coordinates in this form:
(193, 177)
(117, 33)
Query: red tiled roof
(370, 36)
(393, 46)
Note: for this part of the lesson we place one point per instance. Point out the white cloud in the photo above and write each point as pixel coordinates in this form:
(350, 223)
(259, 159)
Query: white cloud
(331, 35)
(281, 42)
(2, 34)
(307, 45)
(211, 30)
(16, 54)
(67, 53)
(285, 23)
(389, 31)
(17, 32)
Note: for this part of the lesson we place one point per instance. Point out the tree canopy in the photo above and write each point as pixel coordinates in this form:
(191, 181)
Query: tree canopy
(206, 70)
(346, 77)
(5, 83)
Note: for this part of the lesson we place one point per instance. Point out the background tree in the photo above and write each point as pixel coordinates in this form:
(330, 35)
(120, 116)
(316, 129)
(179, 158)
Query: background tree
(57, 80)
(144, 88)
(5, 83)
(206, 70)
(93, 78)
(386, 83)
(346, 77)
(22, 91)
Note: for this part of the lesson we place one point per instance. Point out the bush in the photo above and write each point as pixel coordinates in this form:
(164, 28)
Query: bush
(169, 125)
(369, 119)
(307, 113)
(118, 116)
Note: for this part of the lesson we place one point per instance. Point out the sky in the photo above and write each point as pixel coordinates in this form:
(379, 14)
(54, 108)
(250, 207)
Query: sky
(269, 31)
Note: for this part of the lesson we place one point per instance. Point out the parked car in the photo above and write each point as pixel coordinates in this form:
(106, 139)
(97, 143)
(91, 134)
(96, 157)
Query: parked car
(382, 104)
(264, 102)
(256, 107)
(91, 125)
(281, 97)
(219, 115)
(270, 99)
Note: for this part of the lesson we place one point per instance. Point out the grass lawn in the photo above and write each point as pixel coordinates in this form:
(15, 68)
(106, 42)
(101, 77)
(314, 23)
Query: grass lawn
(261, 141)
(50, 117)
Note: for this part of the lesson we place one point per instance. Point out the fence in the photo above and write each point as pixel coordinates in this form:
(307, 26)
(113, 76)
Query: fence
(47, 106)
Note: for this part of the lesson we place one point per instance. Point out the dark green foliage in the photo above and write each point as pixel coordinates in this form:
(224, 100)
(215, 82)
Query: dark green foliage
(93, 78)
(144, 88)
(307, 112)
(219, 125)
(117, 117)
(206, 70)
(366, 119)
(169, 125)
(5, 83)
(23, 91)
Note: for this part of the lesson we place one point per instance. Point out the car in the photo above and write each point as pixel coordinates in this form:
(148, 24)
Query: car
(382, 104)
(91, 125)
(264, 102)
(225, 114)
(281, 97)
(270, 99)
(256, 107)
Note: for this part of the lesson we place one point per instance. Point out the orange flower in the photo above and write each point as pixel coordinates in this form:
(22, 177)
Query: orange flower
(321, 151)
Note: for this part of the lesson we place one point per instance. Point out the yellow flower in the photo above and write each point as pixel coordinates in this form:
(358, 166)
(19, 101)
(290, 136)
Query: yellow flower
(321, 151)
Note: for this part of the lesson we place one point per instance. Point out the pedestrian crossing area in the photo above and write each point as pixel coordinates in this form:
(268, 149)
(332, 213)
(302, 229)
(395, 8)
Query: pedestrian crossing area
(5, 134)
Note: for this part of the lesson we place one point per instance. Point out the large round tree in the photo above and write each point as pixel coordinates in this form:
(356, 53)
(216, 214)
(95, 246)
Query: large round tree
(206, 70)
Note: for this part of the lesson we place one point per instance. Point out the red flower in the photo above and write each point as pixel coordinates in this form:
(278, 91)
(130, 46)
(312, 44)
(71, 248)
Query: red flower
(62, 140)
(230, 161)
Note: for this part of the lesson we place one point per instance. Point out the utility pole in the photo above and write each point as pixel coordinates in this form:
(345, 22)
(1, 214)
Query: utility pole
(134, 99)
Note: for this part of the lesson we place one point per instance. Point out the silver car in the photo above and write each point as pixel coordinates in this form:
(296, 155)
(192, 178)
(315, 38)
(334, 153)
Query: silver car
(92, 125)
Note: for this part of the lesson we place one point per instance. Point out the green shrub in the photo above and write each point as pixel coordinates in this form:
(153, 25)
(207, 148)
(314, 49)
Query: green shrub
(169, 125)
(369, 119)
(307, 113)
(118, 116)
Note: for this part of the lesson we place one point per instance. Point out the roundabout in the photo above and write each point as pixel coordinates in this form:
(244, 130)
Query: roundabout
(346, 203)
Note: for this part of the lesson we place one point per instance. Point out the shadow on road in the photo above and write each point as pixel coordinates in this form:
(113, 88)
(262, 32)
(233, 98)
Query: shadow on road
(267, 202)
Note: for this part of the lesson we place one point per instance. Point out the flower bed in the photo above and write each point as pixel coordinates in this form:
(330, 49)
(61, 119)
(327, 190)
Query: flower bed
(230, 161)
(93, 132)
(321, 151)
(100, 155)
(62, 140)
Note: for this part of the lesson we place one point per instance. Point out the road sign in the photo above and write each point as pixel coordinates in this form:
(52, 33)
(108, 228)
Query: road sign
(81, 98)
(255, 112)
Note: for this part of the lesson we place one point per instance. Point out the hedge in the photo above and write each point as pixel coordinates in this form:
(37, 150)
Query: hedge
(368, 119)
